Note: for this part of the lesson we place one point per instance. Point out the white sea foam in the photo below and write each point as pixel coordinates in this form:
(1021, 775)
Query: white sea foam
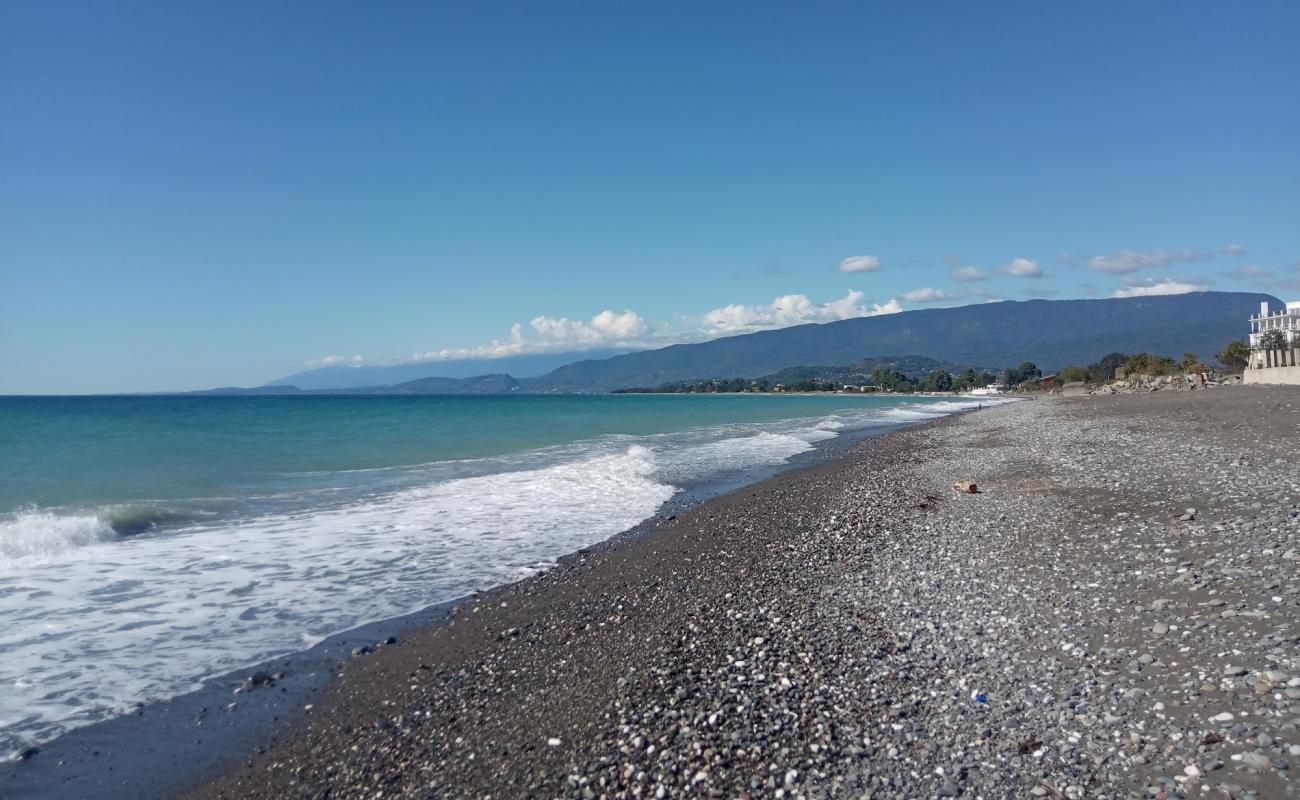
(161, 612)
(96, 621)
(33, 536)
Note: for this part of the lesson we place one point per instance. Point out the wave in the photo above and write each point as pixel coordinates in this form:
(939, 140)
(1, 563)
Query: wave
(258, 580)
(38, 535)
(217, 596)
(42, 534)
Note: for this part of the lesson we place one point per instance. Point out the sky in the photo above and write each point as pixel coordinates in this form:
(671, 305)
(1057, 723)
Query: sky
(207, 194)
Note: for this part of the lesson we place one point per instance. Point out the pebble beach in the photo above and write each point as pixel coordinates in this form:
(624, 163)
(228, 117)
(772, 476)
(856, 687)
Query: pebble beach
(1114, 613)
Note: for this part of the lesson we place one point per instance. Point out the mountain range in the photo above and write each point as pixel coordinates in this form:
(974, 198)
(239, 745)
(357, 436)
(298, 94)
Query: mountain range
(1050, 333)
(348, 377)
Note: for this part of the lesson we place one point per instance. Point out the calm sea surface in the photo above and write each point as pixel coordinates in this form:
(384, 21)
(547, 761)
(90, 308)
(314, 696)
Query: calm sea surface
(149, 542)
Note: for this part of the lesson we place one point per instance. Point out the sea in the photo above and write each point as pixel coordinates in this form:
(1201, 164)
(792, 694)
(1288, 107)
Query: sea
(148, 543)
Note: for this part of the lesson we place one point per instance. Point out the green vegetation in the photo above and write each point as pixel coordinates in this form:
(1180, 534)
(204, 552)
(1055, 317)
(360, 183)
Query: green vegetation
(1192, 364)
(917, 374)
(1104, 370)
(868, 375)
(1235, 355)
(1272, 340)
(1150, 364)
(1072, 374)
(1027, 371)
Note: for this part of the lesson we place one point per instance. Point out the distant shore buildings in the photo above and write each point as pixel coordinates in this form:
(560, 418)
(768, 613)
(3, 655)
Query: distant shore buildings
(1275, 364)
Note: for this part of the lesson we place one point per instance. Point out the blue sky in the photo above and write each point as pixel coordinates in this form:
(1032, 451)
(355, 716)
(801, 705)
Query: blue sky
(201, 194)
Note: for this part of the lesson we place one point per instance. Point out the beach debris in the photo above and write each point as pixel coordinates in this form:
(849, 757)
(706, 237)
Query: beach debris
(553, 742)
(259, 679)
(27, 753)
(966, 487)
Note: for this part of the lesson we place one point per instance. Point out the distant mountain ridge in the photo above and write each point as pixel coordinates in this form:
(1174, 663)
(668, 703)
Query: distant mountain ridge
(349, 377)
(497, 383)
(1050, 333)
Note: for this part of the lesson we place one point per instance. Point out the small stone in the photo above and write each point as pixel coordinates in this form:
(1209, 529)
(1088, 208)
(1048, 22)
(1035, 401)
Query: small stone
(1256, 762)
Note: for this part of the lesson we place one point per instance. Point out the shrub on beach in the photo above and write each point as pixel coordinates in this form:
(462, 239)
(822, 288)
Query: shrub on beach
(1151, 364)
(1073, 374)
(1235, 355)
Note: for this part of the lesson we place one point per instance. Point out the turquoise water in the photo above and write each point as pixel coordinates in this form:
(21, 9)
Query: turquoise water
(99, 450)
(149, 542)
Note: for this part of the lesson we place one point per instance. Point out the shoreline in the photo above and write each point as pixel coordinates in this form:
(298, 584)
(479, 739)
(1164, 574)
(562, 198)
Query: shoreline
(1073, 630)
(194, 738)
(1115, 614)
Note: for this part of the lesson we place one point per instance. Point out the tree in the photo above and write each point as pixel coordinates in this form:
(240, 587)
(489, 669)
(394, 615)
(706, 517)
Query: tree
(1150, 364)
(1027, 370)
(1104, 370)
(1235, 355)
(1272, 340)
(938, 381)
(1190, 361)
(891, 380)
(1072, 374)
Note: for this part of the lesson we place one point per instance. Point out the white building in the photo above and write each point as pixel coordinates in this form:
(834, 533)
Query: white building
(1275, 366)
(1286, 320)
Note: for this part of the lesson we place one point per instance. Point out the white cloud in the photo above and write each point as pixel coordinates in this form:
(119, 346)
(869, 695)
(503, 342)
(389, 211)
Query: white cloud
(337, 361)
(790, 309)
(604, 328)
(550, 335)
(1123, 262)
(545, 334)
(1235, 249)
(969, 274)
(1151, 289)
(928, 295)
(1023, 268)
(860, 264)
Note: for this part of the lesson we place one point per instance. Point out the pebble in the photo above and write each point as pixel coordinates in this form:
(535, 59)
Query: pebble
(867, 632)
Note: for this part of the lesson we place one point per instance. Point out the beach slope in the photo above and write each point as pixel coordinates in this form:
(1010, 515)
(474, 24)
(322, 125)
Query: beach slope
(1116, 612)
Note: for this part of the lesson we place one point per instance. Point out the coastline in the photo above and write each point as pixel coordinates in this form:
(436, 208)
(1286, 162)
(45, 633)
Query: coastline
(859, 628)
(1116, 613)
(171, 744)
